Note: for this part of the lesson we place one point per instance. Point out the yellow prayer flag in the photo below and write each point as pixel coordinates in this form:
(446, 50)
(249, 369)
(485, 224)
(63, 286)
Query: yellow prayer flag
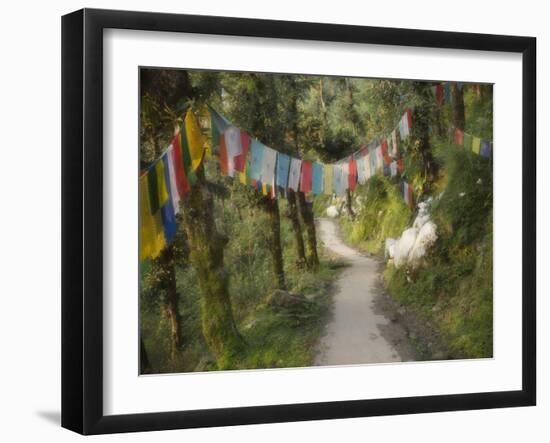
(195, 140)
(151, 238)
(476, 143)
(264, 189)
(328, 179)
(161, 184)
(242, 177)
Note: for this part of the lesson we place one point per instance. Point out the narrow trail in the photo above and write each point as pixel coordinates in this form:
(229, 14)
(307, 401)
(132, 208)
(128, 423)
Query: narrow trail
(354, 335)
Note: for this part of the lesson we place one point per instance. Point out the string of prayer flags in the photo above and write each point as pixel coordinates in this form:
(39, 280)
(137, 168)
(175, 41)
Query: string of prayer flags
(317, 179)
(294, 174)
(283, 166)
(306, 176)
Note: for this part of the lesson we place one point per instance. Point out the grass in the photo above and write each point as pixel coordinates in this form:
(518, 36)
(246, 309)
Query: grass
(274, 338)
(452, 289)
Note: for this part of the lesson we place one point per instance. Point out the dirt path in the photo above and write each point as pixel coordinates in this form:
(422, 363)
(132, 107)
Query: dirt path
(357, 333)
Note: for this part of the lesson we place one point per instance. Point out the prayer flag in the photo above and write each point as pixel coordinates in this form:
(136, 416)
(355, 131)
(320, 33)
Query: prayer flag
(157, 187)
(352, 176)
(367, 166)
(305, 178)
(195, 140)
(485, 150)
(168, 210)
(232, 137)
(401, 129)
(328, 179)
(386, 171)
(447, 88)
(400, 166)
(467, 141)
(268, 165)
(345, 174)
(393, 168)
(385, 153)
(476, 144)
(256, 159)
(218, 124)
(283, 166)
(459, 137)
(151, 239)
(181, 179)
(317, 180)
(439, 93)
(361, 179)
(338, 179)
(379, 157)
(294, 174)
(240, 159)
(169, 169)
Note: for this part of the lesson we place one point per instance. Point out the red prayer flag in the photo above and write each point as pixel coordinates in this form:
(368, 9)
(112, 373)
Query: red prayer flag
(459, 137)
(240, 160)
(400, 165)
(439, 93)
(305, 179)
(352, 176)
(223, 157)
(385, 154)
(409, 119)
(181, 179)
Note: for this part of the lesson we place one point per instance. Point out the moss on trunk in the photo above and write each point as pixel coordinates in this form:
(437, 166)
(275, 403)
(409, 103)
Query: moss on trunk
(306, 211)
(272, 207)
(207, 257)
(297, 228)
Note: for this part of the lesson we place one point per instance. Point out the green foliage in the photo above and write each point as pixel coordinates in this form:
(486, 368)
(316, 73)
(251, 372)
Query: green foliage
(382, 213)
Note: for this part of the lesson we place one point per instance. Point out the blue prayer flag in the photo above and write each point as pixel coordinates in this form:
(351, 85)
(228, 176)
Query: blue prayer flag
(485, 150)
(317, 185)
(283, 165)
(256, 159)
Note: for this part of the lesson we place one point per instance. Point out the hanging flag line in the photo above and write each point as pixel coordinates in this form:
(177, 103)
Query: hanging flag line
(169, 178)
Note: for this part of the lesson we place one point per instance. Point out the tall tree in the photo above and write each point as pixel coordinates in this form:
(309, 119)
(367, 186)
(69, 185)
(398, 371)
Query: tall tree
(207, 257)
(459, 118)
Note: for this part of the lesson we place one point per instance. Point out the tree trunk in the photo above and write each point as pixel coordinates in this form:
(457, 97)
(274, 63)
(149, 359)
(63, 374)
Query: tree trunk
(349, 205)
(172, 301)
(297, 228)
(144, 365)
(207, 257)
(459, 119)
(421, 131)
(272, 207)
(306, 211)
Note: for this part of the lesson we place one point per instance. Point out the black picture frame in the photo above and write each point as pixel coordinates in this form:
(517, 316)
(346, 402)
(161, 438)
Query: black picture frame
(82, 218)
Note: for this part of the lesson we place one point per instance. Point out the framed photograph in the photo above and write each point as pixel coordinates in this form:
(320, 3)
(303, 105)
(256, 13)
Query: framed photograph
(268, 221)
